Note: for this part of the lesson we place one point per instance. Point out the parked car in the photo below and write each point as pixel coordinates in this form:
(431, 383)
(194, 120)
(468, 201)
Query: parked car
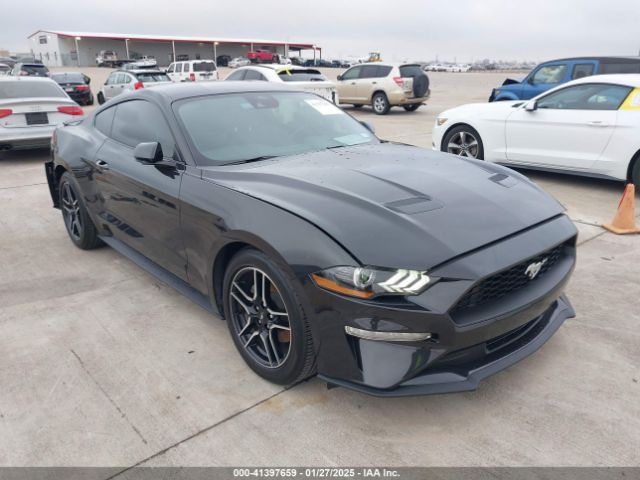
(121, 81)
(223, 60)
(384, 85)
(30, 109)
(8, 61)
(76, 85)
(551, 74)
(307, 79)
(318, 62)
(589, 126)
(107, 58)
(5, 69)
(239, 62)
(261, 56)
(385, 268)
(193, 71)
(144, 61)
(30, 70)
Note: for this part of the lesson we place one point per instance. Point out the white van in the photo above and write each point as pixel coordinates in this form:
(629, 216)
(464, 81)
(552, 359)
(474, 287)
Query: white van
(193, 71)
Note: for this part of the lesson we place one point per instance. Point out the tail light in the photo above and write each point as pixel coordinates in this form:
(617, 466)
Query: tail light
(54, 140)
(138, 85)
(23, 73)
(5, 112)
(398, 81)
(82, 88)
(71, 110)
(192, 77)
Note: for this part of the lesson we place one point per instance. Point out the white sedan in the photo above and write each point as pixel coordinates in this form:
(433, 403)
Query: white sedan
(308, 79)
(30, 110)
(589, 126)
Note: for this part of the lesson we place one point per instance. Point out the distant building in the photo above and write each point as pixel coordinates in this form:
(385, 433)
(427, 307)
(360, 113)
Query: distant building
(58, 48)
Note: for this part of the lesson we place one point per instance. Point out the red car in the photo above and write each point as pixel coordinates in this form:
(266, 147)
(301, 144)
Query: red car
(261, 56)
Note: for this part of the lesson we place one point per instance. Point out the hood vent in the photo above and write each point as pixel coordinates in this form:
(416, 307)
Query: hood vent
(411, 206)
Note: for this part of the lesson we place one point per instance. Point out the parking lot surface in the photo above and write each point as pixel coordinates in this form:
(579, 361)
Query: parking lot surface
(103, 365)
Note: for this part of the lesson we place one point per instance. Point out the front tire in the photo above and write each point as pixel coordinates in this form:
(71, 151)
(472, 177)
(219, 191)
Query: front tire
(635, 173)
(266, 320)
(463, 141)
(380, 104)
(77, 221)
(100, 98)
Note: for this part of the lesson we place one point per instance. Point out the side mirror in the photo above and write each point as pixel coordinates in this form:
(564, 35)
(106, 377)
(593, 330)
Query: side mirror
(339, 77)
(531, 106)
(148, 152)
(368, 126)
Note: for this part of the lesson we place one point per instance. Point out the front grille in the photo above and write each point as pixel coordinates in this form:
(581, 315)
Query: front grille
(507, 281)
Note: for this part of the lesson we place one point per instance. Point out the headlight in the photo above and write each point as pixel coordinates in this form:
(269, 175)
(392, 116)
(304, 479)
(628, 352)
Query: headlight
(441, 121)
(369, 282)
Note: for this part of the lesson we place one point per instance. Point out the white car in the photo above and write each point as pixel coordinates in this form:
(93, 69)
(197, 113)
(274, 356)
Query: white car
(30, 110)
(193, 71)
(120, 81)
(308, 79)
(589, 126)
(239, 62)
(5, 69)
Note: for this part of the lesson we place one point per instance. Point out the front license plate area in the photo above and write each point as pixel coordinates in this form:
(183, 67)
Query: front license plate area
(37, 118)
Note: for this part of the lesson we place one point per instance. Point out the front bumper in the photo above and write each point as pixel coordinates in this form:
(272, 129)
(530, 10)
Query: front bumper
(460, 377)
(467, 343)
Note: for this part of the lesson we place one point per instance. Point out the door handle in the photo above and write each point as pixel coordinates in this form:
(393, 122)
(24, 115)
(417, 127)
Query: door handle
(102, 164)
(353, 83)
(374, 83)
(597, 123)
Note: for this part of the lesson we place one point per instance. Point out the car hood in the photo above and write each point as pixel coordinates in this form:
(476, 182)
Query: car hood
(513, 81)
(394, 205)
(493, 109)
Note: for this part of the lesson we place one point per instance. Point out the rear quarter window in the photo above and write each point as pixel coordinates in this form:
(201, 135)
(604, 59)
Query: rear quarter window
(626, 67)
(204, 66)
(410, 71)
(104, 120)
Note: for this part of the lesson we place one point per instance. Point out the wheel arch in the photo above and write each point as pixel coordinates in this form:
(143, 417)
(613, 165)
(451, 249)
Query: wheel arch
(375, 92)
(455, 125)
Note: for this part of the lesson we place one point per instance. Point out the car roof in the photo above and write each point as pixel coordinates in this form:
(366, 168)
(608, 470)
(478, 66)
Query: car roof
(139, 70)
(626, 79)
(179, 91)
(631, 59)
(25, 79)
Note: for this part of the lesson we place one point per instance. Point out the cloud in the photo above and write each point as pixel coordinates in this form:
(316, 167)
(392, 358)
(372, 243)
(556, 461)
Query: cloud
(405, 29)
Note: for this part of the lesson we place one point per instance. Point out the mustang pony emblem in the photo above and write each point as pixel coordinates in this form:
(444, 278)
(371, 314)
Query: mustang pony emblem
(533, 269)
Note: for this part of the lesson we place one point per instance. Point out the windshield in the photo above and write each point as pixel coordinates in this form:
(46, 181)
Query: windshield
(204, 67)
(39, 69)
(20, 89)
(153, 77)
(299, 75)
(242, 126)
(68, 77)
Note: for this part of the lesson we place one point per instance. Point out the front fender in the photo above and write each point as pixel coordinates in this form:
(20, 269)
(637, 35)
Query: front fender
(506, 96)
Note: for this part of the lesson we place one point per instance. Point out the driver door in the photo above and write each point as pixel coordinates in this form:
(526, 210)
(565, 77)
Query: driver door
(348, 85)
(544, 78)
(568, 129)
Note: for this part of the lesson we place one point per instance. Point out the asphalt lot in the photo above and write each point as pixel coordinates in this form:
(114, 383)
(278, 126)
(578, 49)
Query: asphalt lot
(103, 365)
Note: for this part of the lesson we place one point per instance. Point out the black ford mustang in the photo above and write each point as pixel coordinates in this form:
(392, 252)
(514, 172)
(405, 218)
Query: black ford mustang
(385, 268)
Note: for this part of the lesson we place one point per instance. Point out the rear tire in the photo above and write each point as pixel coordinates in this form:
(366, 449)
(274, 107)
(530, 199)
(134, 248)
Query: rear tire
(411, 108)
(380, 104)
(279, 348)
(90, 101)
(80, 227)
(100, 98)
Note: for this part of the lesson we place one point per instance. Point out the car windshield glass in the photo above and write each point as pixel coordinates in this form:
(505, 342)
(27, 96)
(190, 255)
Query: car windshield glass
(204, 67)
(148, 77)
(68, 77)
(20, 89)
(307, 75)
(241, 126)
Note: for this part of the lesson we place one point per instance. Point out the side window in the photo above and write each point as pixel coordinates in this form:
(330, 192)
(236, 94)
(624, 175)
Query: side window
(112, 79)
(171, 68)
(103, 121)
(351, 73)
(127, 78)
(139, 121)
(582, 70)
(383, 71)
(586, 97)
(369, 71)
(185, 67)
(253, 75)
(237, 75)
(549, 74)
(119, 79)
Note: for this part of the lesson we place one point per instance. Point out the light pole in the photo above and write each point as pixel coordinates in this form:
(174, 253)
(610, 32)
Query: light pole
(126, 47)
(215, 51)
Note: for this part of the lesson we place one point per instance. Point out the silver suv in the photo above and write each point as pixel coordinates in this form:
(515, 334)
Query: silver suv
(384, 85)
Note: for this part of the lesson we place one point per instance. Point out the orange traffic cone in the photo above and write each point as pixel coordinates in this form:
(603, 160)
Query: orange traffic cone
(625, 219)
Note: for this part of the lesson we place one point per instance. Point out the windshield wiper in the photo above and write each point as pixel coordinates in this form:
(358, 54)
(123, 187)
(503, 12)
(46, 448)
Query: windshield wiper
(250, 160)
